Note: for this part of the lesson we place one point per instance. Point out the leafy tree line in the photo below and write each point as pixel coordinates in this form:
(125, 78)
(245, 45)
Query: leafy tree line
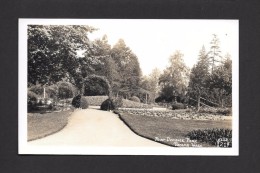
(53, 56)
(54, 63)
(208, 83)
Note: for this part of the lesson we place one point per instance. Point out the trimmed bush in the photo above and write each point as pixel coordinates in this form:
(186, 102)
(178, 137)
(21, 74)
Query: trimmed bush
(178, 106)
(96, 100)
(83, 103)
(135, 99)
(80, 102)
(107, 105)
(211, 136)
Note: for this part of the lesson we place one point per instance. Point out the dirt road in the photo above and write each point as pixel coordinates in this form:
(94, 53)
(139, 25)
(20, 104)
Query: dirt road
(92, 127)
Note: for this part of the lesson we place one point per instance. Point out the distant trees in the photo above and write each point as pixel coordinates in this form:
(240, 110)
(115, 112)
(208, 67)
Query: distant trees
(129, 68)
(175, 78)
(199, 76)
(151, 83)
(53, 57)
(211, 77)
(56, 69)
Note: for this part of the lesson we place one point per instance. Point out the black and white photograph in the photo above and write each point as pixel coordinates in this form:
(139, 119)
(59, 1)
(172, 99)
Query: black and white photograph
(128, 87)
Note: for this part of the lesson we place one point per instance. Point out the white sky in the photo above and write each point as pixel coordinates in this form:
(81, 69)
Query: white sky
(153, 41)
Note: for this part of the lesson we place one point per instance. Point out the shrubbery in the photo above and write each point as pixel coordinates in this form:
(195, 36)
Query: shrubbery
(211, 136)
(31, 100)
(96, 100)
(108, 104)
(79, 102)
(178, 106)
(112, 103)
(135, 99)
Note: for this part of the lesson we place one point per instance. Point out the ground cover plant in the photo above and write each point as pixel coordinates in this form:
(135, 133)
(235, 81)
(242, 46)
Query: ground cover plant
(41, 125)
(167, 128)
(211, 136)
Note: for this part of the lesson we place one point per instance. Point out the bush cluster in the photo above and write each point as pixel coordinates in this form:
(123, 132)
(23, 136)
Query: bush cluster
(211, 136)
(31, 100)
(132, 104)
(112, 103)
(178, 106)
(135, 99)
(79, 102)
(107, 105)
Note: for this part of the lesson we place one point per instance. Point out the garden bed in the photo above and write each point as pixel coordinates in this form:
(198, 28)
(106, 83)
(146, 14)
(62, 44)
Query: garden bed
(185, 114)
(167, 130)
(41, 125)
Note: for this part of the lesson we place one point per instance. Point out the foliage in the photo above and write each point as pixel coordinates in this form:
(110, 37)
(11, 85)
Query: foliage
(83, 103)
(131, 104)
(37, 89)
(108, 104)
(174, 80)
(154, 126)
(211, 136)
(66, 90)
(214, 54)
(31, 100)
(76, 101)
(96, 85)
(198, 77)
(80, 102)
(135, 99)
(151, 84)
(52, 51)
(178, 106)
(128, 65)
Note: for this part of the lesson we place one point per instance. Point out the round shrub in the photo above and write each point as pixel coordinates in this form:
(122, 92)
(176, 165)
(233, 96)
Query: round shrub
(76, 101)
(80, 102)
(107, 105)
(135, 99)
(178, 106)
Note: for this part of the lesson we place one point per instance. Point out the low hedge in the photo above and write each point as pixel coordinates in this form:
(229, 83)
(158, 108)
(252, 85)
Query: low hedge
(96, 100)
(211, 136)
(178, 106)
(112, 104)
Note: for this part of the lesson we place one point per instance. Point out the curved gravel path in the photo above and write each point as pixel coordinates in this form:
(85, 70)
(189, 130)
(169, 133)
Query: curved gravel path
(93, 127)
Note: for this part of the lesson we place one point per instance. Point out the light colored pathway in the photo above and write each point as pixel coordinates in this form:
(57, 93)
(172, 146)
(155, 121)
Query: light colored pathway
(92, 127)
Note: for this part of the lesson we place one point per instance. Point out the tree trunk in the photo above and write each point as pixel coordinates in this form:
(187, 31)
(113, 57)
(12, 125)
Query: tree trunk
(198, 106)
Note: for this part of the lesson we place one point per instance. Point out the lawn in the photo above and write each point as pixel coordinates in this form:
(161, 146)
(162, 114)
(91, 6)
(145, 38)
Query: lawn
(170, 131)
(41, 125)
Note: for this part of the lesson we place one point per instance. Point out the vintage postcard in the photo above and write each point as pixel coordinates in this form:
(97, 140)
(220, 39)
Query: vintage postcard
(128, 87)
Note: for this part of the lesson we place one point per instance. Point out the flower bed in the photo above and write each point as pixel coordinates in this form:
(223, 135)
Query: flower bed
(174, 114)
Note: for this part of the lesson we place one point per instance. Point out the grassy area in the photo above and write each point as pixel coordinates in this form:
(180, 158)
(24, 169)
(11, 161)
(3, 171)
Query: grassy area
(41, 125)
(169, 130)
